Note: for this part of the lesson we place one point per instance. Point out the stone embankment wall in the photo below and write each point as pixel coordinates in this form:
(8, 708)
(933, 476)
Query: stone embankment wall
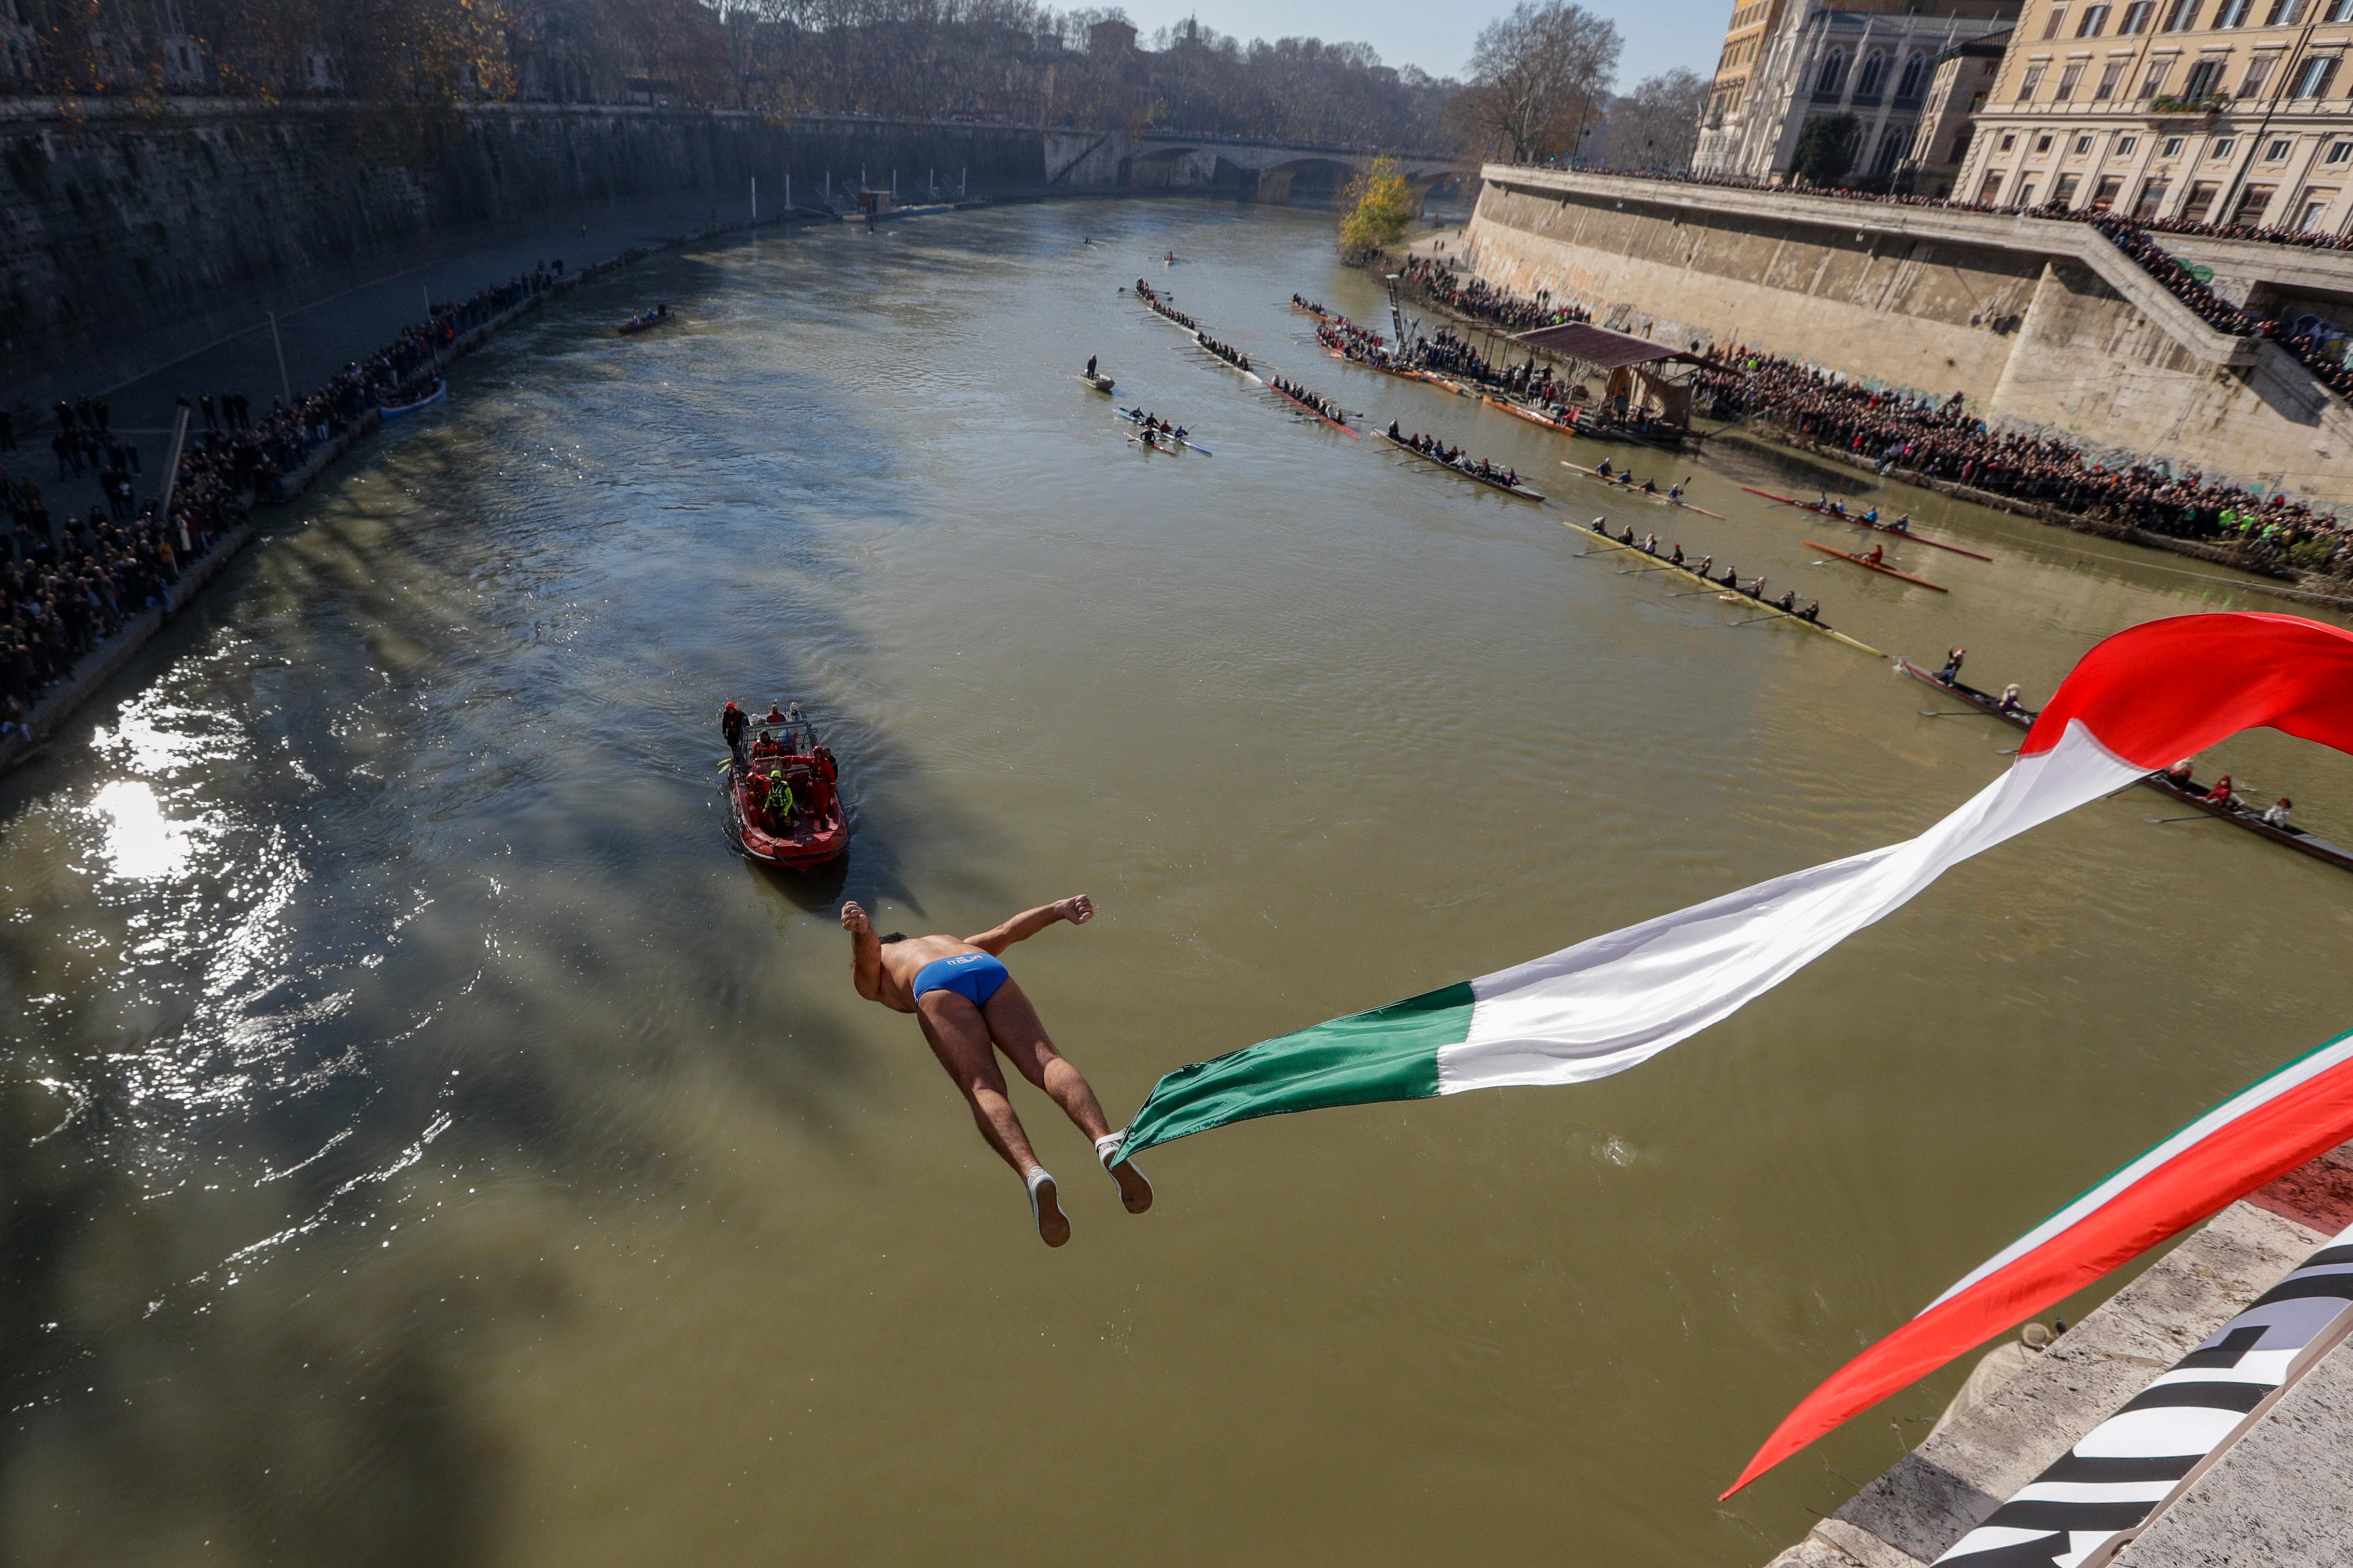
(2031, 324)
(128, 237)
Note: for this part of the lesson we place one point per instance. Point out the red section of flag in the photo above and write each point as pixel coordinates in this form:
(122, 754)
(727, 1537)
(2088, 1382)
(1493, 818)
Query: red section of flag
(2268, 1141)
(2170, 688)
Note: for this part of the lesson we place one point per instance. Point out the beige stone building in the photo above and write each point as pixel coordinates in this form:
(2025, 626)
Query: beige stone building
(1962, 80)
(2204, 110)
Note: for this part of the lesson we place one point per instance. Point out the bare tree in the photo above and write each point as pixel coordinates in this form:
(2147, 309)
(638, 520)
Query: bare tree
(1656, 126)
(1539, 78)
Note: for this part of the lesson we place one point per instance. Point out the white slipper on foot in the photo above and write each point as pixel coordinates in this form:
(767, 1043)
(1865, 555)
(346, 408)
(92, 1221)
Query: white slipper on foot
(1134, 1190)
(1045, 1207)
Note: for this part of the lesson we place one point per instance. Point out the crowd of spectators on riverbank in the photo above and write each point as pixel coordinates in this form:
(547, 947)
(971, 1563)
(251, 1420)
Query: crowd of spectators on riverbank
(1475, 298)
(1941, 439)
(69, 583)
(2320, 353)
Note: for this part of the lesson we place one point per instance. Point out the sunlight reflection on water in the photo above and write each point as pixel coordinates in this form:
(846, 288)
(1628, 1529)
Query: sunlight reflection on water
(141, 843)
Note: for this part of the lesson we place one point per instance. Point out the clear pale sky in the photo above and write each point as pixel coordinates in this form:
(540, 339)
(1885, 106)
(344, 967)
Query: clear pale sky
(1436, 34)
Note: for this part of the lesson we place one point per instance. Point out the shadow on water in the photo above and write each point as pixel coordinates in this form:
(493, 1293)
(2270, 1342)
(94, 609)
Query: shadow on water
(430, 896)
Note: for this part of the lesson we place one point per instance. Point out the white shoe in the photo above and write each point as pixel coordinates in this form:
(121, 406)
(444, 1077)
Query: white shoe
(1134, 1190)
(1045, 1207)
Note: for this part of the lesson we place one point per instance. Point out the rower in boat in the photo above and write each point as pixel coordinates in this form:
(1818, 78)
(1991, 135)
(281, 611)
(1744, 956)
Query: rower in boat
(1872, 517)
(1731, 578)
(2222, 794)
(1705, 562)
(2278, 815)
(1676, 557)
(1650, 544)
(1954, 658)
(1902, 524)
(1878, 556)
(1674, 492)
(1605, 470)
(2178, 775)
(2013, 701)
(1650, 487)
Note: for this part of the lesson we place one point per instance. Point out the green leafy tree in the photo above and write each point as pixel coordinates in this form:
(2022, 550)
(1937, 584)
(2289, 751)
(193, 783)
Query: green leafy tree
(1826, 149)
(1381, 207)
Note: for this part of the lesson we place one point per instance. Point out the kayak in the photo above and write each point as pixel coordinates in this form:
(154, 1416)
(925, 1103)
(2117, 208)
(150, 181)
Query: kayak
(1870, 565)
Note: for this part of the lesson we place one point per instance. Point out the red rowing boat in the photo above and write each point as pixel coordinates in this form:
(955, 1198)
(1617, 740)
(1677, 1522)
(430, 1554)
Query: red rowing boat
(1819, 510)
(784, 803)
(1870, 565)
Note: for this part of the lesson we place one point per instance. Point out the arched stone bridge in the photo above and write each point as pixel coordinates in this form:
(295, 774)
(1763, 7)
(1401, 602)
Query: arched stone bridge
(1247, 169)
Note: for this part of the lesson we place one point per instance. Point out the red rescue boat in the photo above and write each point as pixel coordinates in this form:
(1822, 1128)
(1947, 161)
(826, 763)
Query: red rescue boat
(784, 799)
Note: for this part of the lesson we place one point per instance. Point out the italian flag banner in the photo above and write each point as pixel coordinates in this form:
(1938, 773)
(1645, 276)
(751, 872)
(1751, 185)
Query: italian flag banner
(2137, 703)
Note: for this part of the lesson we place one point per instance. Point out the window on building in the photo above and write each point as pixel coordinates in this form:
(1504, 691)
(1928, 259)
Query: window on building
(2200, 198)
(2341, 152)
(2008, 140)
(2109, 76)
(1991, 189)
(2233, 14)
(2314, 206)
(2222, 147)
(2029, 82)
(2259, 70)
(2172, 148)
(2104, 194)
(2135, 18)
(2205, 79)
(1893, 142)
(2154, 83)
(1961, 144)
(2338, 11)
(1874, 72)
(2025, 197)
(2053, 21)
(2043, 142)
(2315, 77)
(2181, 16)
(2252, 203)
(2278, 150)
(2284, 13)
(1832, 76)
(2067, 80)
(2125, 145)
(2152, 196)
(2062, 193)
(1915, 77)
(2082, 144)
(2095, 18)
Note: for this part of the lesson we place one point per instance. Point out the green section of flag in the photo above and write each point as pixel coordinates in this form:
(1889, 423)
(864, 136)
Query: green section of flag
(1389, 1053)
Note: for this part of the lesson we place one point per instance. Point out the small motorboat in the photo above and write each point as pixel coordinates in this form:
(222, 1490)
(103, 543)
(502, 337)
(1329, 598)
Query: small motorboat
(658, 316)
(412, 398)
(1100, 382)
(784, 800)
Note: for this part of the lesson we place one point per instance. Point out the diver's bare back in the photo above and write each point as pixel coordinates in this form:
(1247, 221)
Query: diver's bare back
(904, 959)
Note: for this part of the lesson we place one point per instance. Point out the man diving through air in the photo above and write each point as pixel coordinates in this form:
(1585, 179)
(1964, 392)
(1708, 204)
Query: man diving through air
(966, 1003)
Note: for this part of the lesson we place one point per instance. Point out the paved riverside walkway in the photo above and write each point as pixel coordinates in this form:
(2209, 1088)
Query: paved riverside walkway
(2276, 1499)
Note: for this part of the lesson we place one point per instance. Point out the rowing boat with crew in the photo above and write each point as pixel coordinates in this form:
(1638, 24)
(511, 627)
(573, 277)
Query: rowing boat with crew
(1490, 480)
(1599, 528)
(1627, 487)
(2187, 793)
(1871, 564)
(1153, 428)
(1899, 530)
(1308, 409)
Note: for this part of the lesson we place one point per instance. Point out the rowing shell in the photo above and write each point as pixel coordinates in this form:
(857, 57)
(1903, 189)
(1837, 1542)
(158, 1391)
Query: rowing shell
(2294, 837)
(1691, 576)
(1530, 415)
(1133, 417)
(1638, 492)
(1520, 490)
(1319, 315)
(1245, 375)
(1870, 565)
(1308, 408)
(1820, 511)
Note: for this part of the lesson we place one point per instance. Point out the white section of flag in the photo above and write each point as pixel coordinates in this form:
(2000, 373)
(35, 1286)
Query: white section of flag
(1615, 1001)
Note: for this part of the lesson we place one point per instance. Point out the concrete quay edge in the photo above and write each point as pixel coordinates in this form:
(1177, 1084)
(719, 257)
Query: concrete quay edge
(2281, 1484)
(2042, 236)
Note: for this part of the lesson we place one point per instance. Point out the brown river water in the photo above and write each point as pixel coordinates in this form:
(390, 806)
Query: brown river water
(426, 1142)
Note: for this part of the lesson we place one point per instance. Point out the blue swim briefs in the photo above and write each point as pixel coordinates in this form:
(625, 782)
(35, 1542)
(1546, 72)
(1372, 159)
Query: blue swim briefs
(974, 976)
